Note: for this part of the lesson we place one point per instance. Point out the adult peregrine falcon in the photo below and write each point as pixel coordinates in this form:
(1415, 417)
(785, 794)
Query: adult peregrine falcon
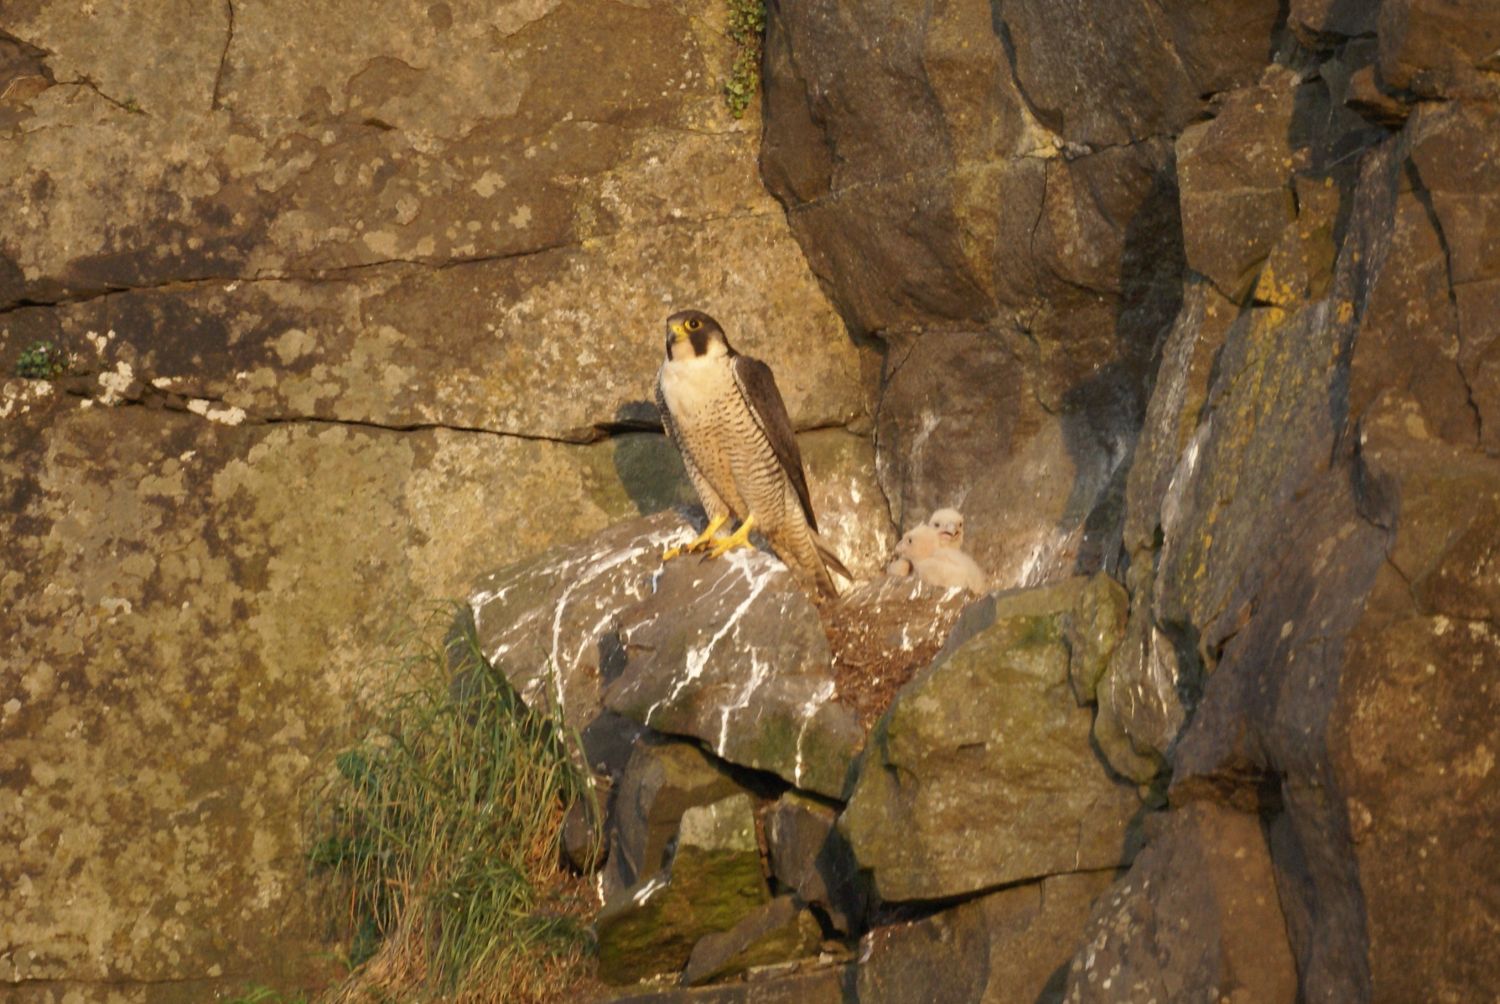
(726, 416)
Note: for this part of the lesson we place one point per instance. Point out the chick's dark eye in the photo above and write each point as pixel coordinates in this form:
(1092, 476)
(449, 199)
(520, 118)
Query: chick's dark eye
(694, 324)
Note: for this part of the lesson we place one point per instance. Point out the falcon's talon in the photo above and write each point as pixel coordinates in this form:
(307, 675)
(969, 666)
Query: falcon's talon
(740, 538)
(698, 543)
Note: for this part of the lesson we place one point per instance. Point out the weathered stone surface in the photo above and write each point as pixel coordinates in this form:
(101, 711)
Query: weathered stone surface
(1410, 742)
(712, 883)
(1236, 196)
(1093, 628)
(809, 856)
(310, 263)
(1137, 72)
(541, 621)
(393, 236)
(1440, 48)
(1457, 181)
(1173, 412)
(1010, 947)
(966, 173)
(1331, 21)
(781, 931)
(662, 780)
(960, 425)
(284, 214)
(1211, 929)
(194, 614)
(1301, 529)
(732, 653)
(846, 497)
(982, 773)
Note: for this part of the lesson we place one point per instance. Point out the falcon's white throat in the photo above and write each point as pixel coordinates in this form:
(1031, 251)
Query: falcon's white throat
(695, 385)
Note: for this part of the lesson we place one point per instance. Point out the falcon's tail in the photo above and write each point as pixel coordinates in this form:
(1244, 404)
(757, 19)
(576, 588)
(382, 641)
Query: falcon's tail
(830, 560)
(810, 559)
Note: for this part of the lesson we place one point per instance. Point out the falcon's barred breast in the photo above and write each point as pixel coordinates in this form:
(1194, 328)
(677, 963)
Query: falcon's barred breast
(726, 415)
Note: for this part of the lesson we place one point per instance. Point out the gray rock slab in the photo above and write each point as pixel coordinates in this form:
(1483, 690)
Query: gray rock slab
(730, 652)
(983, 773)
(713, 882)
(781, 931)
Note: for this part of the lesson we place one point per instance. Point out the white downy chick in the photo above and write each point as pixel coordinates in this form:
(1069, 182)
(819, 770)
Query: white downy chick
(949, 523)
(950, 568)
(919, 542)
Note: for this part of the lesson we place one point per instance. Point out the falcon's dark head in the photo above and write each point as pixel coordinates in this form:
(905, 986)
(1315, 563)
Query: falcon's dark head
(692, 333)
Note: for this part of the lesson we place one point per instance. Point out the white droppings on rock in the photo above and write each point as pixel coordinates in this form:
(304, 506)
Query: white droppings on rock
(821, 696)
(116, 382)
(759, 672)
(697, 658)
(646, 891)
(228, 415)
(20, 395)
(98, 341)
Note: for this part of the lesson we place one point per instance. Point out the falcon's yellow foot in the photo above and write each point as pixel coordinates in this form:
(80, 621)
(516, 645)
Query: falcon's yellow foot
(697, 544)
(740, 538)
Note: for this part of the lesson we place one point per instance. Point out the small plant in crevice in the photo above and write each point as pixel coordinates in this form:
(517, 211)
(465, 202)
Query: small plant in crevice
(42, 360)
(747, 27)
(442, 830)
(261, 994)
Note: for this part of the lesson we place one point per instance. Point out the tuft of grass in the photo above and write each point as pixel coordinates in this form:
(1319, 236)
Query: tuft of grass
(747, 27)
(261, 994)
(443, 829)
(43, 360)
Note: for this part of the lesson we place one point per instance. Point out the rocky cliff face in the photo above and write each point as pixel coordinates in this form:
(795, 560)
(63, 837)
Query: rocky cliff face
(361, 305)
(1189, 306)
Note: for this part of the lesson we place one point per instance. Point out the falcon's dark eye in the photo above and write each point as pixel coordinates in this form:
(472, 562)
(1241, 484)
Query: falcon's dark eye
(694, 324)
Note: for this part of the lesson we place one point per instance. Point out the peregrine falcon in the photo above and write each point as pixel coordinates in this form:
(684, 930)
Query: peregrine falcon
(726, 416)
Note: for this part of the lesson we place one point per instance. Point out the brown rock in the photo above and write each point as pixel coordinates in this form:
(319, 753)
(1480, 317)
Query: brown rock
(1328, 22)
(1236, 197)
(1410, 739)
(1197, 918)
(203, 609)
(711, 884)
(1456, 179)
(894, 142)
(809, 856)
(814, 985)
(661, 781)
(1315, 559)
(1440, 48)
(781, 931)
(1010, 947)
(395, 237)
(960, 424)
(982, 772)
